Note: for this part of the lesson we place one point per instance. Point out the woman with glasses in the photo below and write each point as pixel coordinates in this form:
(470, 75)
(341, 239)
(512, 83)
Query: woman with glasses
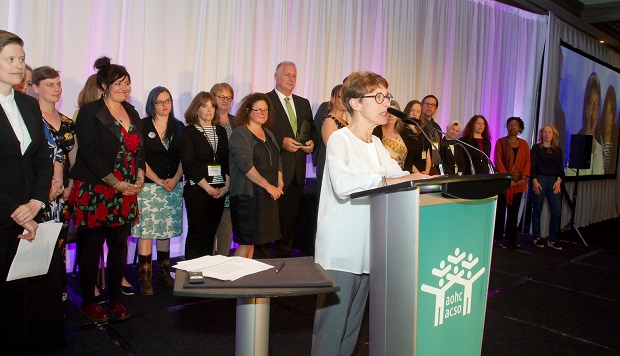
(512, 156)
(255, 176)
(356, 161)
(224, 94)
(476, 133)
(161, 199)
(204, 154)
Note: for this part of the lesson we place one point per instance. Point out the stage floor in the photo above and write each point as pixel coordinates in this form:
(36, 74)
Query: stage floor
(541, 302)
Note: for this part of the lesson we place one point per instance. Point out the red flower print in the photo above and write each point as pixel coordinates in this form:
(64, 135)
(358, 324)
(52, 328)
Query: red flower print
(99, 188)
(79, 216)
(109, 193)
(84, 199)
(126, 207)
(133, 142)
(101, 212)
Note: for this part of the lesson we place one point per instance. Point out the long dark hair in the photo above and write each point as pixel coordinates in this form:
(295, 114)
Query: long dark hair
(468, 131)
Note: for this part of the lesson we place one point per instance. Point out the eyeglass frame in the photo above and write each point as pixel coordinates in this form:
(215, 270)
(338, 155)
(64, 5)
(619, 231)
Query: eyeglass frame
(163, 102)
(379, 95)
(260, 111)
(222, 97)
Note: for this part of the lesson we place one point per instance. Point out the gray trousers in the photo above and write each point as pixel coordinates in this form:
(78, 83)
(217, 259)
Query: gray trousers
(338, 316)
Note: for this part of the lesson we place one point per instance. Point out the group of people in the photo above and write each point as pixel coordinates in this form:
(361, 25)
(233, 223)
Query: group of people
(241, 175)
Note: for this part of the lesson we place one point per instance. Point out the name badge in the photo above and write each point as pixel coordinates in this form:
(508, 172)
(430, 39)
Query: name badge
(423, 154)
(214, 171)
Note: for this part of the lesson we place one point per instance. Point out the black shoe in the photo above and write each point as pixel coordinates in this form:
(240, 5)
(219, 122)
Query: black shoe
(513, 245)
(497, 243)
(554, 245)
(539, 242)
(127, 290)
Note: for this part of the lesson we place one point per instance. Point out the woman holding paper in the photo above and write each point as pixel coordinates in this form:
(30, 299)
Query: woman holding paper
(356, 161)
(23, 187)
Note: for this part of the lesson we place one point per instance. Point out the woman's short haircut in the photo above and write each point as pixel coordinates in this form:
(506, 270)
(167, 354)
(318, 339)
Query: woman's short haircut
(519, 121)
(43, 73)
(7, 38)
(217, 88)
(359, 84)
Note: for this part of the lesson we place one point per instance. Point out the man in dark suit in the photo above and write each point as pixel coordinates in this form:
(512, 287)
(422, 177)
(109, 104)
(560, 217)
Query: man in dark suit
(24, 185)
(429, 107)
(292, 129)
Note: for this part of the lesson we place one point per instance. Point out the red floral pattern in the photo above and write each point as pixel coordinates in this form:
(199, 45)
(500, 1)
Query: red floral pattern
(99, 204)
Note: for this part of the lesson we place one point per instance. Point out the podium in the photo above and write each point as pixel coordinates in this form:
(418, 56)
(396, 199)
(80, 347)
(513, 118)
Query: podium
(431, 244)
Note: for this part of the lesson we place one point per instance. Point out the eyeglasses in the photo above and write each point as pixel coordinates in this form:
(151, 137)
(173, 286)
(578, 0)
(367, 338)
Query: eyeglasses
(379, 97)
(260, 111)
(163, 102)
(430, 105)
(515, 126)
(221, 97)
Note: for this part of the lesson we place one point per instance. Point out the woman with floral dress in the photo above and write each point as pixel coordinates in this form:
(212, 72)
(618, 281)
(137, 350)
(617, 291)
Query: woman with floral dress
(108, 174)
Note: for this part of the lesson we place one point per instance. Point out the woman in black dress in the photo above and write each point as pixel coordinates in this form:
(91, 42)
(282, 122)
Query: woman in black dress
(256, 176)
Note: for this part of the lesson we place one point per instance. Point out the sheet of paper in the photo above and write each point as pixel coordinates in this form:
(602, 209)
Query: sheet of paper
(222, 267)
(33, 258)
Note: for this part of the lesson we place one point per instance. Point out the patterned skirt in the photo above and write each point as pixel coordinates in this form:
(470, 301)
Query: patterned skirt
(161, 212)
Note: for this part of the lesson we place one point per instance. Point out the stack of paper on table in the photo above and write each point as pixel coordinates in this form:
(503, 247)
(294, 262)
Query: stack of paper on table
(222, 267)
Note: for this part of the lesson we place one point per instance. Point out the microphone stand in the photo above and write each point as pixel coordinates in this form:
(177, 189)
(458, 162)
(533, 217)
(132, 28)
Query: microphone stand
(489, 164)
(429, 140)
(457, 142)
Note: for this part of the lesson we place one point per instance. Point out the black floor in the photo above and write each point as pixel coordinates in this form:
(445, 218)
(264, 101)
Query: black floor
(541, 302)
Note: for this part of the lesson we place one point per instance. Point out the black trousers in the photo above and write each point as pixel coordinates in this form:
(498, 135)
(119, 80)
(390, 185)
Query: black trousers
(203, 217)
(89, 247)
(12, 297)
(509, 218)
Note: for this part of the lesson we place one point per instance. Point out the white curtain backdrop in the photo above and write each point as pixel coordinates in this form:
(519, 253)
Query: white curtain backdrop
(476, 56)
(596, 200)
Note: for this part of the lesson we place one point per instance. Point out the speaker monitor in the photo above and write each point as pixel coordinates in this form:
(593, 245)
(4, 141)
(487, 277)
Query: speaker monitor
(580, 151)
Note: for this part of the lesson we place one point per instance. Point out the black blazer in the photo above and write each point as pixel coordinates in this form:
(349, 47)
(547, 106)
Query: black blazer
(26, 176)
(480, 161)
(293, 164)
(163, 162)
(451, 160)
(197, 153)
(99, 141)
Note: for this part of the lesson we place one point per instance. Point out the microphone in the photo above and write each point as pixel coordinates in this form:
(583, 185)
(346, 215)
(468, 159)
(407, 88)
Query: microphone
(406, 119)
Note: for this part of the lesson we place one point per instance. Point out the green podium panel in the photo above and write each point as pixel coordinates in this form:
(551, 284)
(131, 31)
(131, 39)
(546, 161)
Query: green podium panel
(430, 265)
(454, 260)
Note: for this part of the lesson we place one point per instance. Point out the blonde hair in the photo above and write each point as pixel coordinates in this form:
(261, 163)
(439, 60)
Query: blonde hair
(554, 140)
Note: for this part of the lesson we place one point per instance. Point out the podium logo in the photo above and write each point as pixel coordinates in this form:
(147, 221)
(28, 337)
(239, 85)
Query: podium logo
(458, 270)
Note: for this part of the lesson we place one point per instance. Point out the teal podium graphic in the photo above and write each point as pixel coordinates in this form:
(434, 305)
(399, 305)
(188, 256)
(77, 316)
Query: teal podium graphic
(430, 264)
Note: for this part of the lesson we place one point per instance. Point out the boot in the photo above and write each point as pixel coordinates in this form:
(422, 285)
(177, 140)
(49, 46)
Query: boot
(163, 275)
(146, 274)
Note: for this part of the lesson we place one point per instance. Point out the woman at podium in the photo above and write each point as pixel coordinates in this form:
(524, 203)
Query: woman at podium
(356, 161)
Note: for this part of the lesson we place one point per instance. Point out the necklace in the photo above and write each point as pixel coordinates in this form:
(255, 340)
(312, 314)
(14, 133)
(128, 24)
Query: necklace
(357, 135)
(268, 150)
